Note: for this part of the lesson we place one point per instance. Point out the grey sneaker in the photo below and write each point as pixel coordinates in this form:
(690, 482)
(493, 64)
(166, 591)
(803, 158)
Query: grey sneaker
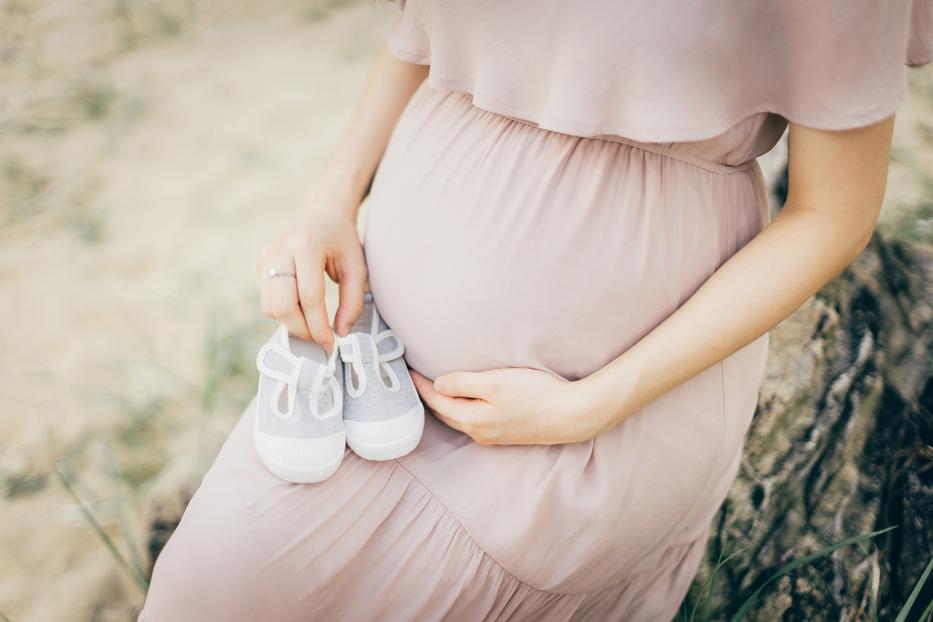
(383, 414)
(299, 433)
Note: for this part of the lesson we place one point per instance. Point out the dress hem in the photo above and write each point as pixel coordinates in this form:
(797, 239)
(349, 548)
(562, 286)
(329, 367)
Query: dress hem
(488, 556)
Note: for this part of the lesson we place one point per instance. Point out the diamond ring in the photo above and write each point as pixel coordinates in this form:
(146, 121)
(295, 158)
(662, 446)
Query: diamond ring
(274, 272)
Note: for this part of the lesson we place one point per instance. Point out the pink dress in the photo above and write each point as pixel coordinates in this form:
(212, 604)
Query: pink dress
(562, 182)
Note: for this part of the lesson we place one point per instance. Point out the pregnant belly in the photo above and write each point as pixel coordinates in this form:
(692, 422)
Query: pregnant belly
(493, 243)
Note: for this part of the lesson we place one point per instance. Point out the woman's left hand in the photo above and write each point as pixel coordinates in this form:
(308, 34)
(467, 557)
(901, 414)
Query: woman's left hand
(512, 406)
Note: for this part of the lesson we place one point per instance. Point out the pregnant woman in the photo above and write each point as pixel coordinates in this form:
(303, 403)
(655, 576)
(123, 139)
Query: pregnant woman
(568, 228)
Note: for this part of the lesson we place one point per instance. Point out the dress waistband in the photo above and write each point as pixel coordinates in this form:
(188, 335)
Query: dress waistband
(656, 148)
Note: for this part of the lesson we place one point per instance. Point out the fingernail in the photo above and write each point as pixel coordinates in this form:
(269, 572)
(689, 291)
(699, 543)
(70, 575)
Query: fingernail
(440, 383)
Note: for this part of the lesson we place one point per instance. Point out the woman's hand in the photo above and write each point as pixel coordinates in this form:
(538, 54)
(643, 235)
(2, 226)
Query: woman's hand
(513, 406)
(324, 240)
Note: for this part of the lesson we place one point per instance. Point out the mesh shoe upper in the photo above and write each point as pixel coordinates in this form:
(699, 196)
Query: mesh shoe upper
(376, 379)
(297, 397)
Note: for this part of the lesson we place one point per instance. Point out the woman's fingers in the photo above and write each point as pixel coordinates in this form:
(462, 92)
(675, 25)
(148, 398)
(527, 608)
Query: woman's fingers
(352, 279)
(309, 267)
(323, 245)
(435, 401)
(465, 384)
(458, 413)
(279, 295)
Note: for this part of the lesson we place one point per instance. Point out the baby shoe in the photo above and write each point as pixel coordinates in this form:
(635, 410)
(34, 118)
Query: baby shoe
(383, 414)
(299, 433)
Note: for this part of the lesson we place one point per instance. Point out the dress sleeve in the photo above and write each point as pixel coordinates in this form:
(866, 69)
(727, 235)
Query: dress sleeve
(670, 71)
(407, 39)
(920, 49)
(845, 65)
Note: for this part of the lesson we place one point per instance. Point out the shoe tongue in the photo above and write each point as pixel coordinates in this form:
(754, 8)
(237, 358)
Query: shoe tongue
(280, 362)
(325, 399)
(284, 364)
(366, 347)
(306, 377)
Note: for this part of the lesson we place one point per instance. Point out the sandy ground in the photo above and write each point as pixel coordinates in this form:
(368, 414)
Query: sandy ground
(148, 151)
(145, 162)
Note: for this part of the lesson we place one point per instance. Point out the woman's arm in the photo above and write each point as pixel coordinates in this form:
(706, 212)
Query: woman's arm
(349, 170)
(836, 187)
(325, 239)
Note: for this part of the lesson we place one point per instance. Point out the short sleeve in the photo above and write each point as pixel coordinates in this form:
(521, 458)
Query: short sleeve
(920, 48)
(670, 71)
(843, 63)
(407, 39)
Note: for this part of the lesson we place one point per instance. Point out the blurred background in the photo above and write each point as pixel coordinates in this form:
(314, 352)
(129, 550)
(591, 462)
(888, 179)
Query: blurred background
(150, 149)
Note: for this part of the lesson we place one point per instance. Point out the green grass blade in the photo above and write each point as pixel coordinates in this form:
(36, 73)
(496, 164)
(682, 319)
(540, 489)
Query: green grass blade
(709, 597)
(711, 589)
(914, 594)
(707, 588)
(925, 616)
(797, 563)
(104, 536)
(131, 544)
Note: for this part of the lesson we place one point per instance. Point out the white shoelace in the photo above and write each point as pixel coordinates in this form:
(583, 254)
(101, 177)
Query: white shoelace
(324, 373)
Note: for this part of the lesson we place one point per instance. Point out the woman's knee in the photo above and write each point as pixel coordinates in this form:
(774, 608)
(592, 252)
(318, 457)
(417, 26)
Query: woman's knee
(207, 570)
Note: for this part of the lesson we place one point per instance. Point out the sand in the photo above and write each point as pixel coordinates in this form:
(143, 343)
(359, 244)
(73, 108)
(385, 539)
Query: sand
(140, 181)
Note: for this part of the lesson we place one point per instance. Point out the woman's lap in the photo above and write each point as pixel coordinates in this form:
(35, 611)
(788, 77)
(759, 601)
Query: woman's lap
(369, 543)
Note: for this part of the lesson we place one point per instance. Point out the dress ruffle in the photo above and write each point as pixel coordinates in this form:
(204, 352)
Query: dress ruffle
(271, 550)
(660, 72)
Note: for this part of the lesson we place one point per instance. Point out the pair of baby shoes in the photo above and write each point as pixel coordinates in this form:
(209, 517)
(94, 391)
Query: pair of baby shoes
(310, 406)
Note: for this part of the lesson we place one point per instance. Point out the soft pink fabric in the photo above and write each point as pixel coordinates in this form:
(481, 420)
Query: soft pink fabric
(920, 50)
(495, 241)
(670, 71)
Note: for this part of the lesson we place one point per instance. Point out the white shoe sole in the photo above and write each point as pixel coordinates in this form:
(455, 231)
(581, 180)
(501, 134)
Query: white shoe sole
(301, 475)
(304, 474)
(387, 450)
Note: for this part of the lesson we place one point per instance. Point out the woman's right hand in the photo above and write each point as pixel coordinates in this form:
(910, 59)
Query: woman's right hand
(325, 239)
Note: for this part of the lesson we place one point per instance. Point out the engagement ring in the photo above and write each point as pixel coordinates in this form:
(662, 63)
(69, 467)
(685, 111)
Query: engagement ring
(274, 272)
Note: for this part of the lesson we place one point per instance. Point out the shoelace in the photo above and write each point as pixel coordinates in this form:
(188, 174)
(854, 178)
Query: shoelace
(324, 373)
(352, 354)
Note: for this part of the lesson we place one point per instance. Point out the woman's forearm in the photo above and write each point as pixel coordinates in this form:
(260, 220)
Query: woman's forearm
(822, 228)
(350, 168)
(757, 288)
